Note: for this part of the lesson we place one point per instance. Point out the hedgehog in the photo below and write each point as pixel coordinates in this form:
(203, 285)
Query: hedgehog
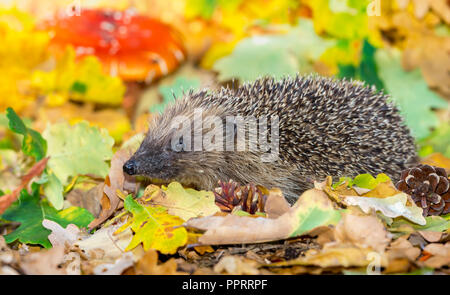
(311, 127)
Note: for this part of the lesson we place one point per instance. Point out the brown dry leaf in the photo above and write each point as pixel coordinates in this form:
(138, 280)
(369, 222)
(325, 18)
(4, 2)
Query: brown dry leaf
(335, 255)
(422, 7)
(276, 205)
(429, 53)
(111, 245)
(116, 268)
(337, 193)
(402, 248)
(236, 265)
(431, 236)
(61, 236)
(8, 258)
(87, 199)
(382, 190)
(116, 180)
(45, 262)
(362, 231)
(440, 255)
(148, 265)
(36, 170)
(232, 229)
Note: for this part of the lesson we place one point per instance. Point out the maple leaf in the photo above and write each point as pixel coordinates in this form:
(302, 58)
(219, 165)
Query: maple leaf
(30, 211)
(414, 101)
(74, 150)
(154, 228)
(78, 149)
(33, 144)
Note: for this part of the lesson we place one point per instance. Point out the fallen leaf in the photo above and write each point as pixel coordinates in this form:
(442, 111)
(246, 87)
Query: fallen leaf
(334, 256)
(78, 149)
(394, 206)
(116, 180)
(362, 231)
(148, 265)
(437, 160)
(185, 203)
(440, 255)
(36, 170)
(61, 236)
(116, 268)
(87, 199)
(111, 244)
(45, 262)
(276, 204)
(312, 209)
(431, 236)
(154, 228)
(236, 265)
(33, 144)
(30, 211)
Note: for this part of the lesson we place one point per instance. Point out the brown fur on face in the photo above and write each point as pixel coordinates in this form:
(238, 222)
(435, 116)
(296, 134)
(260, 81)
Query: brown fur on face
(327, 127)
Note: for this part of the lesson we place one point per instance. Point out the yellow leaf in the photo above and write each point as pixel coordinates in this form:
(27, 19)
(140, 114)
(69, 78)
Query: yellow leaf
(154, 228)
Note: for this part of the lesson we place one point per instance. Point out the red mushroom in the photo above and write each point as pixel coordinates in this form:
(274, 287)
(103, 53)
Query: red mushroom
(135, 47)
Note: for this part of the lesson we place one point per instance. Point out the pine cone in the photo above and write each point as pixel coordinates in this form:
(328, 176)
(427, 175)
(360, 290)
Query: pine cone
(249, 198)
(429, 187)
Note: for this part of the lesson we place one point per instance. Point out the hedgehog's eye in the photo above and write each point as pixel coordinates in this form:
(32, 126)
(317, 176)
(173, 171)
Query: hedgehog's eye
(180, 145)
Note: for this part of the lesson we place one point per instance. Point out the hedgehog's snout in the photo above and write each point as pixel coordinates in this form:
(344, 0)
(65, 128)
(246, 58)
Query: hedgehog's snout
(130, 167)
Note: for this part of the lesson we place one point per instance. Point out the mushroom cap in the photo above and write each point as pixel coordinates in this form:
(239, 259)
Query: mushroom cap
(130, 45)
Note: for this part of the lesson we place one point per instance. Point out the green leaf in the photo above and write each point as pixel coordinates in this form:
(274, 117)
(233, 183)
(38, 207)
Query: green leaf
(78, 149)
(53, 190)
(172, 92)
(30, 212)
(366, 71)
(368, 181)
(313, 213)
(410, 92)
(433, 223)
(33, 144)
(274, 55)
(363, 181)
